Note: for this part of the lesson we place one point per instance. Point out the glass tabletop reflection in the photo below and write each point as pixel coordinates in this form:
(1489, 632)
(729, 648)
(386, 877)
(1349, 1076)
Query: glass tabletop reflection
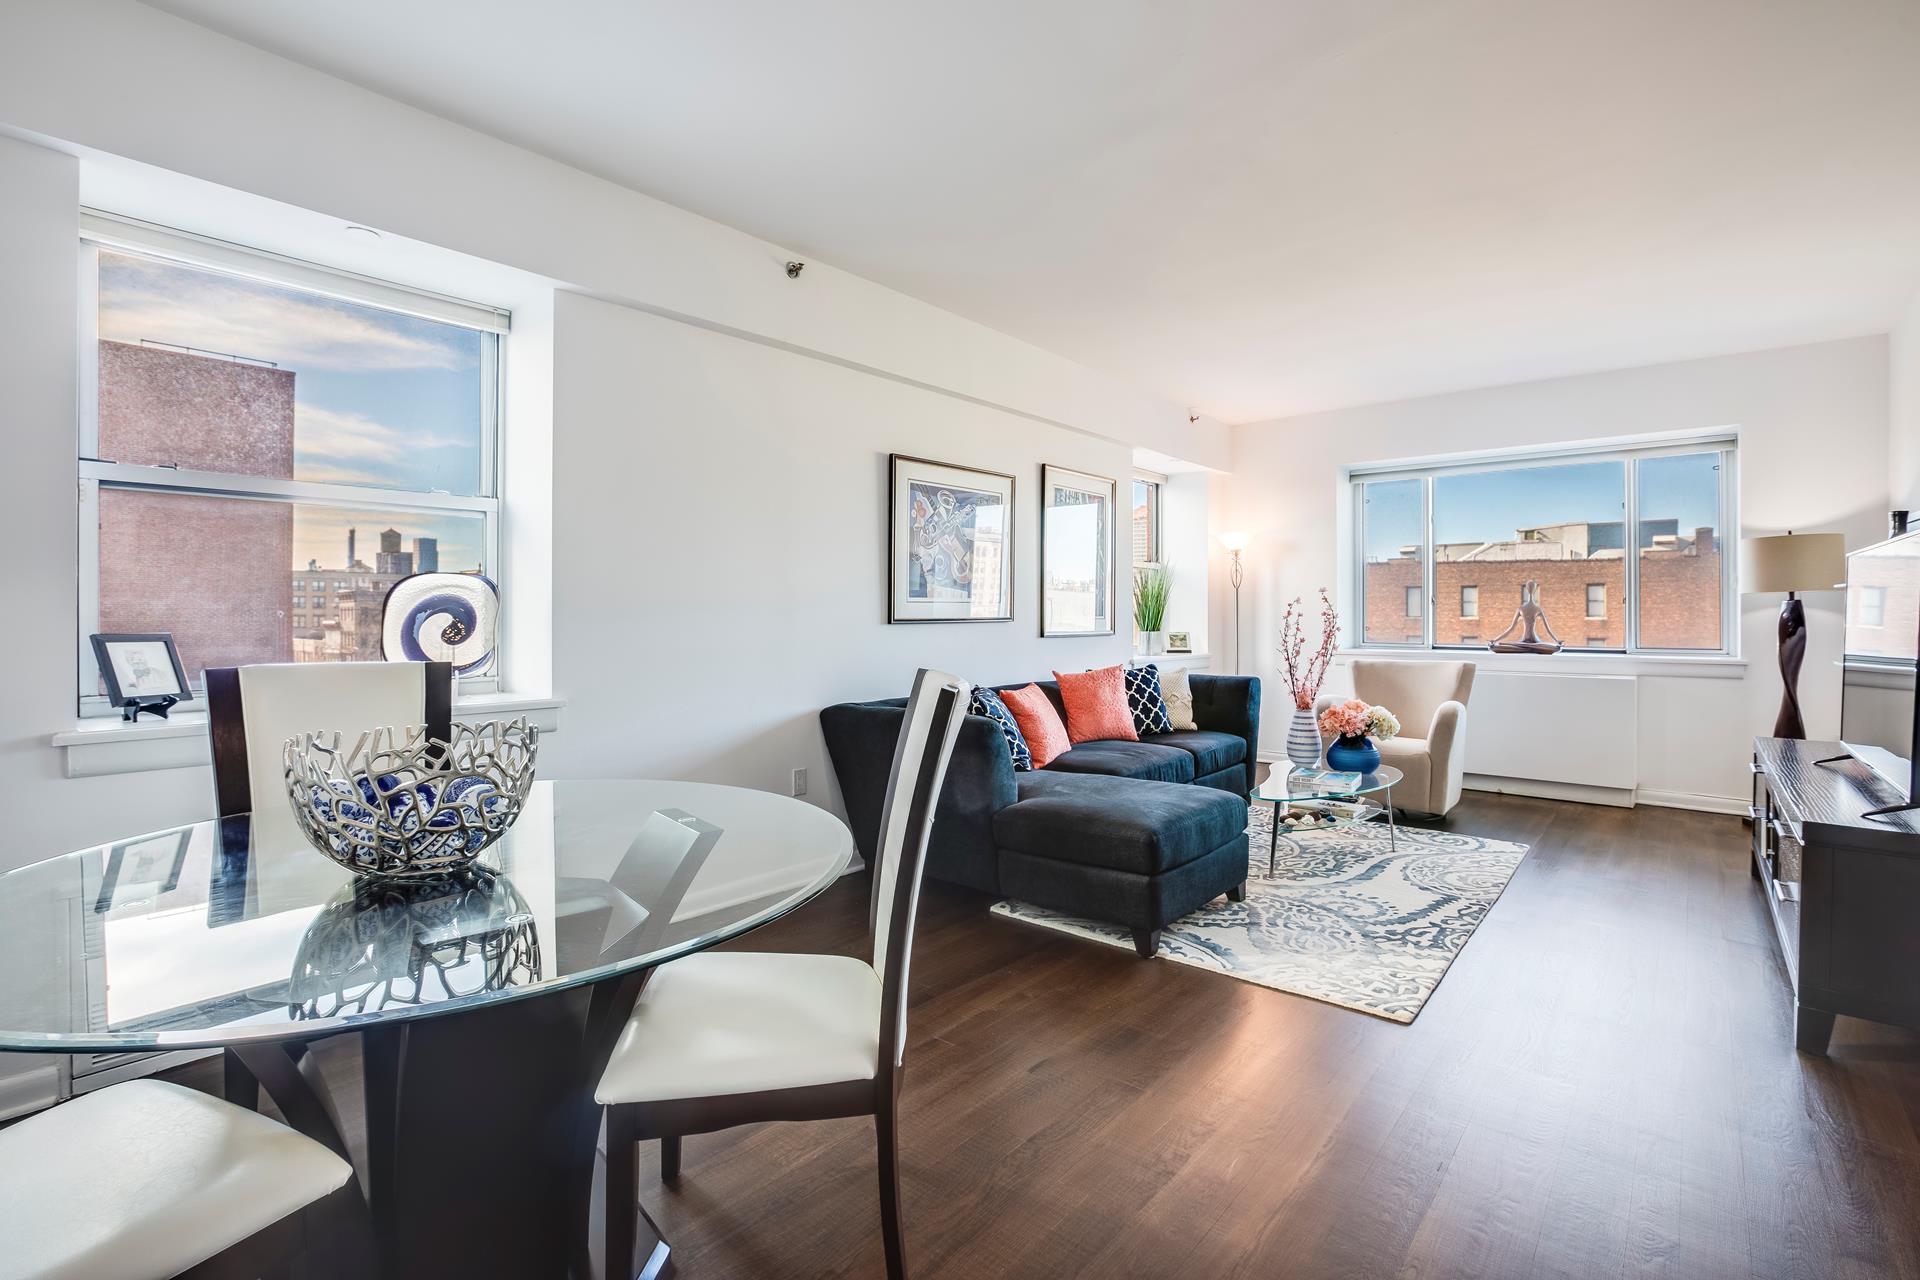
(205, 935)
(1296, 784)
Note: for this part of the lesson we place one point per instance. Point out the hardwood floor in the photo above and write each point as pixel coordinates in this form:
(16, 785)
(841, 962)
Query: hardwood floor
(1604, 1085)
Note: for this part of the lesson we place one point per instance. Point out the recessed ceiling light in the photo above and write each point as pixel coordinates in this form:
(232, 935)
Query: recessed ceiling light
(365, 231)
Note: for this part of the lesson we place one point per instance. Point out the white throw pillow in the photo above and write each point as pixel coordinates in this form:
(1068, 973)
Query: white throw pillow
(1177, 693)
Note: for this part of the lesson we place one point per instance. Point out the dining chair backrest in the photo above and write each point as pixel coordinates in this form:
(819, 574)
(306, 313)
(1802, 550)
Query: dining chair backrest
(254, 710)
(935, 711)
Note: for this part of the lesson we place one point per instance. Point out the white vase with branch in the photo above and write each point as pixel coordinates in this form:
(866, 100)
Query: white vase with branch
(1305, 673)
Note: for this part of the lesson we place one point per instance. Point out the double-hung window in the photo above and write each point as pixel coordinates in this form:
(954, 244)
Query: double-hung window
(267, 446)
(1628, 546)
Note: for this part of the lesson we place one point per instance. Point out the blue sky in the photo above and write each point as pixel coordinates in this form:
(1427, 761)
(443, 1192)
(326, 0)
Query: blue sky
(381, 398)
(1488, 506)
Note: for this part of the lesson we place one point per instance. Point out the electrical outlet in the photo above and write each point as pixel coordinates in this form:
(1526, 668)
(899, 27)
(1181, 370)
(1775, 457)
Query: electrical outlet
(799, 782)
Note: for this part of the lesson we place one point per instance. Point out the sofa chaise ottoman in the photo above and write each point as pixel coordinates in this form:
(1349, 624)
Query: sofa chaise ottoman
(1134, 833)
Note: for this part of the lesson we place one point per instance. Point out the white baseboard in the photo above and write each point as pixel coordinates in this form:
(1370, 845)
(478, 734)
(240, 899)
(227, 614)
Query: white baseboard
(1578, 793)
(35, 1089)
(1691, 800)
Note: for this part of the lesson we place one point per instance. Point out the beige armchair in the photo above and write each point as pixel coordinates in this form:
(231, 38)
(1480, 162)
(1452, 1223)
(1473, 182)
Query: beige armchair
(1430, 699)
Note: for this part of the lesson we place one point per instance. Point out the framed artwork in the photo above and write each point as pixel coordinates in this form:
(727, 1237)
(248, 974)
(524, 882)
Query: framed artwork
(139, 870)
(949, 543)
(1179, 642)
(1077, 561)
(142, 672)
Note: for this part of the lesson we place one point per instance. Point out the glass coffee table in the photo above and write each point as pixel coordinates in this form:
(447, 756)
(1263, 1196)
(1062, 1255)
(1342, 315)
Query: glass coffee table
(1319, 799)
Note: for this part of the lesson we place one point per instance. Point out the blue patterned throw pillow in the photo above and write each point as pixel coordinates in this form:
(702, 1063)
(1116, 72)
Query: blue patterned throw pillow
(987, 703)
(1144, 700)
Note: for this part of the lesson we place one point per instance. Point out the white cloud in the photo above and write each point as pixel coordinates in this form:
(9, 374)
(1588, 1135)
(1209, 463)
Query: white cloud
(156, 302)
(341, 436)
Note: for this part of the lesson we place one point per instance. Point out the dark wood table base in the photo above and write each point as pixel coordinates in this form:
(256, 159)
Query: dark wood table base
(482, 1135)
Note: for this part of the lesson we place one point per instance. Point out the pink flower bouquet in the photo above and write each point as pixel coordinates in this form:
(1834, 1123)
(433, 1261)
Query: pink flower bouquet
(1355, 719)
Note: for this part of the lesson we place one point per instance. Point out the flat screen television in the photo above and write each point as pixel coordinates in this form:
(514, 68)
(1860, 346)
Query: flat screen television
(1880, 716)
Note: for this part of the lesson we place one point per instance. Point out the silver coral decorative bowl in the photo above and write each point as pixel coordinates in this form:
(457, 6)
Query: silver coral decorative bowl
(401, 805)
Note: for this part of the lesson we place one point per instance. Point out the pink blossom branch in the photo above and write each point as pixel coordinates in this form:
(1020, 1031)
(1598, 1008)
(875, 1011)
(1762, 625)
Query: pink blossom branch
(1305, 677)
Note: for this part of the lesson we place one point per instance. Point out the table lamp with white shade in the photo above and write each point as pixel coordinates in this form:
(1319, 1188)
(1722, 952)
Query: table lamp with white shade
(1235, 543)
(1792, 562)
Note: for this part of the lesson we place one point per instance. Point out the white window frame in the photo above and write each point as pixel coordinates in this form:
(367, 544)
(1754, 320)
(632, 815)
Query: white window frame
(1465, 616)
(1725, 443)
(1602, 615)
(1158, 530)
(108, 231)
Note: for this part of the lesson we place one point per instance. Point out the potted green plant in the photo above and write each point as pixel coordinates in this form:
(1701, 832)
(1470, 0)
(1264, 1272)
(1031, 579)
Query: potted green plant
(1151, 583)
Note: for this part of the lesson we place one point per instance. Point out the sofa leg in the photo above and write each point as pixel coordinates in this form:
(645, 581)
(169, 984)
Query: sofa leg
(1146, 942)
(1238, 893)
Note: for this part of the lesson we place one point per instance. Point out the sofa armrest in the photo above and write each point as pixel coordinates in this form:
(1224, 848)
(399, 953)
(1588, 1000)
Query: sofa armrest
(1229, 704)
(861, 737)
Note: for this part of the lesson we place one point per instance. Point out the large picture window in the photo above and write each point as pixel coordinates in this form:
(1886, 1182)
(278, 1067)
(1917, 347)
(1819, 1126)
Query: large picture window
(1628, 548)
(266, 448)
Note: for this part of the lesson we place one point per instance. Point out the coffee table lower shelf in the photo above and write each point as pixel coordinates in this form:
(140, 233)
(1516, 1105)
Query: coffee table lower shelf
(1325, 815)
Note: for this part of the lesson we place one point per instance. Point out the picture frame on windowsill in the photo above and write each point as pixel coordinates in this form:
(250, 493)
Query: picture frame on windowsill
(142, 672)
(1179, 642)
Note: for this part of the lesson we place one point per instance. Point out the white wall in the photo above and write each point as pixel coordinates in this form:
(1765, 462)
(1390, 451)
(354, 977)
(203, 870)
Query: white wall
(1814, 437)
(1903, 441)
(720, 548)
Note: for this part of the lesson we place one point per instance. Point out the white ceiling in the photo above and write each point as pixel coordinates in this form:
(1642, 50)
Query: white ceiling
(1258, 208)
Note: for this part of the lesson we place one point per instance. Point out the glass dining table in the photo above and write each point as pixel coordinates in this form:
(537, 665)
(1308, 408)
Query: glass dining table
(484, 1002)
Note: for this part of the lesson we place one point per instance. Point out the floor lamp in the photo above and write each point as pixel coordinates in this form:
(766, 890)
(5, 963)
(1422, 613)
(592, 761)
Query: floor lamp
(1235, 543)
(1792, 563)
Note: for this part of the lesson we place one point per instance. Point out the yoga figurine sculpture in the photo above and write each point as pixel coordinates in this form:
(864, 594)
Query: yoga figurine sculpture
(1529, 617)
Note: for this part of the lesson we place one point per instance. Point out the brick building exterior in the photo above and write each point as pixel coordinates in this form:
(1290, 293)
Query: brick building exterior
(1584, 599)
(212, 571)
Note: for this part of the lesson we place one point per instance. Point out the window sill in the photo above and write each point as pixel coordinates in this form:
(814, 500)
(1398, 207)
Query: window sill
(1175, 659)
(99, 747)
(1566, 663)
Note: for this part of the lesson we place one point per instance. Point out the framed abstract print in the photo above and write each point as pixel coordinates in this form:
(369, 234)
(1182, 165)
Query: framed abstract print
(949, 543)
(1077, 564)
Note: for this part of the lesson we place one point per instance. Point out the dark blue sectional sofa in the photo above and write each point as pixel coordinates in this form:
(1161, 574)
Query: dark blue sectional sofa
(1136, 833)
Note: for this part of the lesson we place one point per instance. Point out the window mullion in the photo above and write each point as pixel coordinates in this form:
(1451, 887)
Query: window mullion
(1630, 554)
(1428, 572)
(221, 484)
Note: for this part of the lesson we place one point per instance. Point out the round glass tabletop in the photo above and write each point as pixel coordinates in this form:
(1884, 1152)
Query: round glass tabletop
(1297, 784)
(200, 936)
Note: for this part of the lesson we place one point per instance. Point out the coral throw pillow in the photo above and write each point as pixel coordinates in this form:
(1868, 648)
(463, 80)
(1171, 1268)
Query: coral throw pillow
(1039, 723)
(987, 703)
(1097, 705)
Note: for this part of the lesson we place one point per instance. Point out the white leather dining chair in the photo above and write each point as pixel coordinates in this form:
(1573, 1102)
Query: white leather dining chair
(148, 1180)
(253, 710)
(721, 1039)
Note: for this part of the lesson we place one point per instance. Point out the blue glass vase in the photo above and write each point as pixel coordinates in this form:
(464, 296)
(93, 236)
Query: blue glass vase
(1353, 755)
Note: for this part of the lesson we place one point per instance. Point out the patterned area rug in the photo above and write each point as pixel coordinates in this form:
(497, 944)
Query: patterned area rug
(1343, 919)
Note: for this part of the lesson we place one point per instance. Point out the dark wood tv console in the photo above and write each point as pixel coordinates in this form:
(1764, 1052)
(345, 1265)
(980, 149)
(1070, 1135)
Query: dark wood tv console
(1843, 890)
